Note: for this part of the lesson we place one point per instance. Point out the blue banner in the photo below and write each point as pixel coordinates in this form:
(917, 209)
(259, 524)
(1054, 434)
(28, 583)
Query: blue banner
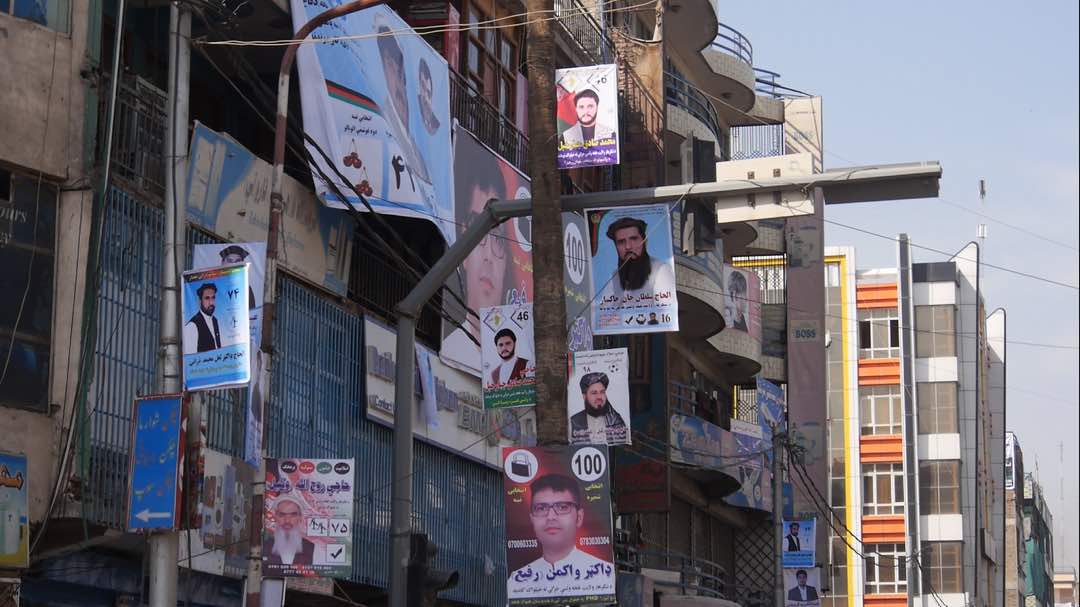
(216, 338)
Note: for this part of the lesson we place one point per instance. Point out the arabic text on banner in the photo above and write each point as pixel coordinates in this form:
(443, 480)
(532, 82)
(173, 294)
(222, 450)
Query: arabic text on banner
(799, 542)
(508, 357)
(598, 397)
(215, 334)
(587, 113)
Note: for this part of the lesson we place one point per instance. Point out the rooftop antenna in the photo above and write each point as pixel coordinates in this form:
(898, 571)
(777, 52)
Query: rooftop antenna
(981, 230)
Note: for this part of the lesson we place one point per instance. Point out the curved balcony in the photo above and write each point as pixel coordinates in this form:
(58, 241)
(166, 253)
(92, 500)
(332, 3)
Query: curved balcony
(732, 42)
(683, 97)
(770, 238)
(718, 59)
(701, 302)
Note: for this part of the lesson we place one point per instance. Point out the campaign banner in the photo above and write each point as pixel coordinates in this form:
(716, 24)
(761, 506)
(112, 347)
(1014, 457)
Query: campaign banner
(378, 103)
(598, 397)
(749, 453)
(801, 587)
(215, 335)
(577, 283)
(799, 542)
(228, 193)
(222, 525)
(558, 525)
(696, 442)
(587, 112)
(507, 354)
(14, 511)
(770, 411)
(633, 270)
(742, 302)
(307, 525)
(253, 253)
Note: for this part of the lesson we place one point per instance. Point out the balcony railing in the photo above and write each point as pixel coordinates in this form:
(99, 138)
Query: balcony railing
(580, 25)
(685, 95)
(757, 141)
(477, 114)
(139, 136)
(767, 85)
(697, 576)
(732, 42)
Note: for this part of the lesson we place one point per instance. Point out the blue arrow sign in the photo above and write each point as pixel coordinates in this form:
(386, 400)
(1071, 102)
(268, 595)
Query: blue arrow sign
(154, 473)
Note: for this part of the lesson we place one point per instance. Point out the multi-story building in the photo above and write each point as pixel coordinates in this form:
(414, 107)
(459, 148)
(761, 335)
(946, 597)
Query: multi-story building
(1065, 587)
(1015, 545)
(916, 399)
(1039, 545)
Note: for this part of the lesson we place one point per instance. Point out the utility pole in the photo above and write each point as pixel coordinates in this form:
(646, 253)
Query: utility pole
(164, 546)
(778, 512)
(549, 308)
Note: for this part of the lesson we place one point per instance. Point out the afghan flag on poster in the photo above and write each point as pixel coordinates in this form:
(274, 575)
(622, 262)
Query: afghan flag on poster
(565, 114)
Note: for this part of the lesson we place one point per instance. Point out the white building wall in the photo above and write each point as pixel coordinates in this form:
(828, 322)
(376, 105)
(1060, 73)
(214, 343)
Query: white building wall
(967, 329)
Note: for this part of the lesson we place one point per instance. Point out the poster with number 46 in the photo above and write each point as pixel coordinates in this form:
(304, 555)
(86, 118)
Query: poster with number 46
(508, 372)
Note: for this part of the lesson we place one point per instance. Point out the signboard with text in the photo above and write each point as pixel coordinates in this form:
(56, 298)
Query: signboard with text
(155, 464)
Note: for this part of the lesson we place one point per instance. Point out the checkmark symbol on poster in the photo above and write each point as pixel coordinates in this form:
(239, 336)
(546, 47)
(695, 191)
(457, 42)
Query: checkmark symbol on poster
(338, 552)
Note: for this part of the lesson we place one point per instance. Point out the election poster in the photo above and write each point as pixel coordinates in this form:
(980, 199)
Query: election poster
(377, 101)
(508, 361)
(558, 525)
(802, 587)
(770, 412)
(587, 112)
(215, 335)
(749, 453)
(222, 496)
(14, 511)
(799, 542)
(253, 253)
(633, 270)
(598, 397)
(307, 525)
(696, 442)
(742, 302)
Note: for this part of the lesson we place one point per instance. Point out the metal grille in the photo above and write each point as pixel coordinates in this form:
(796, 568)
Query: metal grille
(139, 136)
(576, 21)
(317, 411)
(757, 141)
(482, 119)
(125, 351)
(754, 565)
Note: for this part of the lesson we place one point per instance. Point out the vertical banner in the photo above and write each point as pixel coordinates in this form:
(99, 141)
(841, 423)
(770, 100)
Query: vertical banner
(770, 412)
(155, 463)
(508, 361)
(307, 529)
(587, 113)
(216, 338)
(749, 451)
(633, 270)
(577, 282)
(379, 104)
(222, 516)
(801, 587)
(558, 525)
(14, 512)
(253, 253)
(742, 302)
(598, 395)
(800, 536)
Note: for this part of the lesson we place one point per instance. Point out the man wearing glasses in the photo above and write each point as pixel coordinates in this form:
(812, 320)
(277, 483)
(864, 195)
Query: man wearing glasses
(562, 569)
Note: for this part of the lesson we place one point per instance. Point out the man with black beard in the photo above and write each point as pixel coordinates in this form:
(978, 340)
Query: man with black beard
(638, 276)
(599, 423)
(288, 546)
(512, 367)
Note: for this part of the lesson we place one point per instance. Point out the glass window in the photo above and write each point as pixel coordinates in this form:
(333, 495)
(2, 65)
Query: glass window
(879, 333)
(935, 331)
(937, 407)
(53, 14)
(490, 59)
(883, 489)
(886, 569)
(880, 410)
(939, 487)
(941, 566)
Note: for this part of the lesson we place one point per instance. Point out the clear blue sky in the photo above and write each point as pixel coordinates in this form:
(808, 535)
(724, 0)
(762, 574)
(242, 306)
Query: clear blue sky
(990, 90)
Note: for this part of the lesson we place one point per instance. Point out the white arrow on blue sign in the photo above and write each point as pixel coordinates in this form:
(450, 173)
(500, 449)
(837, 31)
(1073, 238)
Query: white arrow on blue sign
(157, 443)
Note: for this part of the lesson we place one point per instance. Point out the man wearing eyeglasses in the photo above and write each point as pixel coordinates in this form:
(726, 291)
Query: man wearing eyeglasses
(562, 570)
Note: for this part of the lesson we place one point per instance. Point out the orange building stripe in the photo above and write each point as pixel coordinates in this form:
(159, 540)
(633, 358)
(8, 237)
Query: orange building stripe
(877, 295)
(881, 449)
(884, 529)
(879, 371)
(885, 600)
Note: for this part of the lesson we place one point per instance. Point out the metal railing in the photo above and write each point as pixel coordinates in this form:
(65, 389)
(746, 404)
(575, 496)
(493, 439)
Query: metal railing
(642, 122)
(732, 42)
(757, 141)
(482, 119)
(581, 27)
(685, 95)
(767, 85)
(696, 575)
(139, 140)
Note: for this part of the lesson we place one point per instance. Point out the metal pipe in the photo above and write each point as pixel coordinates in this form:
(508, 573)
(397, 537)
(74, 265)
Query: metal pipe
(778, 514)
(254, 572)
(164, 546)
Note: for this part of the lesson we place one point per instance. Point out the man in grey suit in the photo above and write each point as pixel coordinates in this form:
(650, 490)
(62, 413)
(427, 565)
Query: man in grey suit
(585, 130)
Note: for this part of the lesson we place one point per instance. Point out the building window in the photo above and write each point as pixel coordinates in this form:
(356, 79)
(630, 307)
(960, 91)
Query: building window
(883, 489)
(941, 563)
(879, 410)
(939, 487)
(935, 331)
(490, 61)
(937, 407)
(53, 14)
(27, 236)
(886, 569)
(879, 333)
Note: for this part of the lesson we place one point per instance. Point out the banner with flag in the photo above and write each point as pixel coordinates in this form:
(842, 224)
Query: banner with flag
(587, 112)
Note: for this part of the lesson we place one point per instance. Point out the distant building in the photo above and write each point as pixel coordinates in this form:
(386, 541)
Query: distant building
(1065, 587)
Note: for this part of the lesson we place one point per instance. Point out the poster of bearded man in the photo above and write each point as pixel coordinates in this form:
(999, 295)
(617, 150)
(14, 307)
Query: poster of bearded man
(598, 397)
(633, 270)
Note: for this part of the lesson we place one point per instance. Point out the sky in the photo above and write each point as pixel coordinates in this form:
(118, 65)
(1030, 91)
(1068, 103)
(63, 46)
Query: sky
(989, 89)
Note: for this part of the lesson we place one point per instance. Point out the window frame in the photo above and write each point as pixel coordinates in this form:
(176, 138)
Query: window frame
(872, 503)
(61, 15)
(935, 331)
(498, 50)
(881, 558)
(933, 487)
(869, 397)
(935, 417)
(876, 325)
(933, 566)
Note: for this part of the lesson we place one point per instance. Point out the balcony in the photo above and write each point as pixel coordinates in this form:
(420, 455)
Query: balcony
(684, 98)
(731, 41)
(581, 28)
(481, 118)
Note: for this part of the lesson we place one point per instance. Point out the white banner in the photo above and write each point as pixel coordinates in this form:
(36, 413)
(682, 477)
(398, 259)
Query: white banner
(598, 397)
(507, 354)
(588, 116)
